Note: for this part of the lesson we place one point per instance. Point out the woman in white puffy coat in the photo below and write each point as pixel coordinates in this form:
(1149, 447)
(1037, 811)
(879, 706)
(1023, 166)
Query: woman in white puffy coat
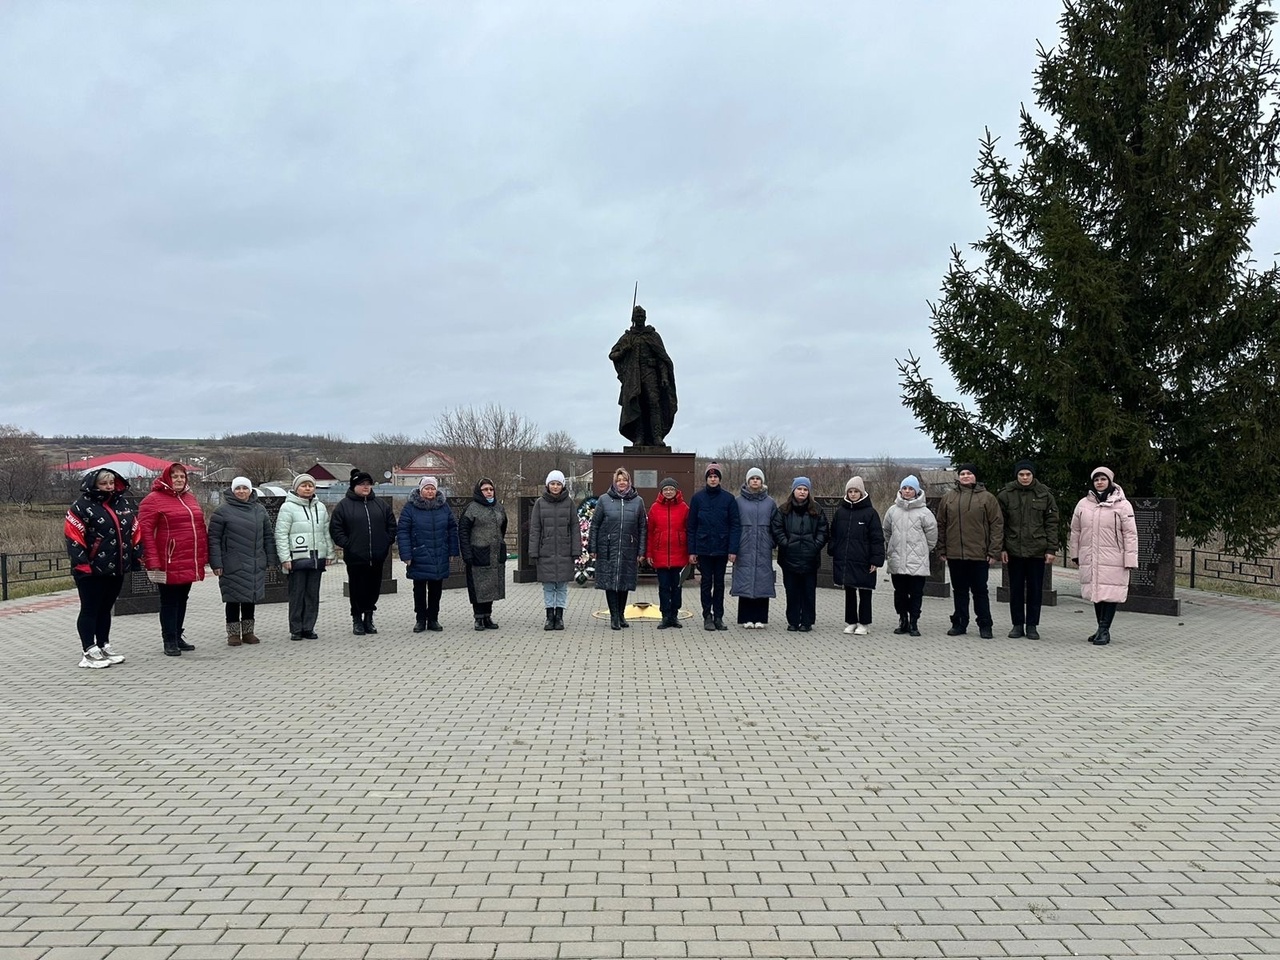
(910, 533)
(304, 548)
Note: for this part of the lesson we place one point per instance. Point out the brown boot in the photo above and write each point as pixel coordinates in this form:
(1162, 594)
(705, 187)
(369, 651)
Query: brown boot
(246, 632)
(233, 635)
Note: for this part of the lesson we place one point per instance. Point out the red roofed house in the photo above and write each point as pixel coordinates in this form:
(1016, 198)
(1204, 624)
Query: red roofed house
(429, 463)
(128, 465)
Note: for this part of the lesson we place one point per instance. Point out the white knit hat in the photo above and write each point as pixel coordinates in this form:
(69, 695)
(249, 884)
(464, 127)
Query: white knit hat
(556, 476)
(241, 482)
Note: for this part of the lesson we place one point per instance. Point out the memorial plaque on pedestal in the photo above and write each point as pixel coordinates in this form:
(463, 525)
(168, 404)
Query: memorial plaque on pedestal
(1050, 594)
(1151, 585)
(648, 467)
(935, 585)
(389, 584)
(526, 570)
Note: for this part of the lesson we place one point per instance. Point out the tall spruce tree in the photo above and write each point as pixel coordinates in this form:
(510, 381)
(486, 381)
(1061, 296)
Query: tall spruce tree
(1116, 316)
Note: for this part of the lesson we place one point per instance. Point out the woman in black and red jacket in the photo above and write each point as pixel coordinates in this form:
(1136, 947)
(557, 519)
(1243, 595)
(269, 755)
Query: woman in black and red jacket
(102, 535)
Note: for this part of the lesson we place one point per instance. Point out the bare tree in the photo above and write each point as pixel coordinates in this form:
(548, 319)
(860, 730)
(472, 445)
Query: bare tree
(24, 471)
(732, 458)
(389, 450)
(557, 451)
(488, 441)
(883, 477)
(262, 465)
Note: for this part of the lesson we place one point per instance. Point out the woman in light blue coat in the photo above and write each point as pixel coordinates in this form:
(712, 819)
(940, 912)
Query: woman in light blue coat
(304, 549)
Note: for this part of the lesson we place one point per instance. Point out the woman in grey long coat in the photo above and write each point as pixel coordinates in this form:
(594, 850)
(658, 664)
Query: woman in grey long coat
(482, 532)
(753, 573)
(242, 544)
(616, 542)
(555, 542)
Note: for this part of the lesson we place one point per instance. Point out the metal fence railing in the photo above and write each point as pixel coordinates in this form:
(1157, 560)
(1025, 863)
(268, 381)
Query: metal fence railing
(1197, 564)
(16, 568)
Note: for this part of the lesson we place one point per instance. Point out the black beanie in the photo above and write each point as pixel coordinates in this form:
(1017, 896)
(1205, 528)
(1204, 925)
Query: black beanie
(971, 467)
(359, 476)
(1023, 465)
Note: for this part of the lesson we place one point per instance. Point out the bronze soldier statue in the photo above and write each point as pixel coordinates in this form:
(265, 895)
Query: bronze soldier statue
(648, 394)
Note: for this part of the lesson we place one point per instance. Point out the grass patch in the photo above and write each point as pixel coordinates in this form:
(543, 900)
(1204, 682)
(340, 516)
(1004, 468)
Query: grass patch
(38, 588)
(1230, 587)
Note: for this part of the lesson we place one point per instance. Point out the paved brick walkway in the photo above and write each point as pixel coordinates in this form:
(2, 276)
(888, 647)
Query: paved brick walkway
(521, 794)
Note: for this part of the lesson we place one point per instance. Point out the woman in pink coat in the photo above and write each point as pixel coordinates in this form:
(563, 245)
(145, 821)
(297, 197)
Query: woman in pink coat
(1104, 545)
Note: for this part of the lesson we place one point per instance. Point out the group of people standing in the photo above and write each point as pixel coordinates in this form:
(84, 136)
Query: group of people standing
(108, 536)
(1019, 526)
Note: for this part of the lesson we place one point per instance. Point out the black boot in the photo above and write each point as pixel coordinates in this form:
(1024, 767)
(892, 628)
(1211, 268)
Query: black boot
(171, 648)
(718, 623)
(611, 597)
(551, 619)
(490, 623)
(558, 622)
(357, 625)
(434, 625)
(368, 623)
(708, 622)
(182, 644)
(958, 627)
(622, 610)
(902, 624)
(666, 622)
(420, 625)
(479, 622)
(913, 627)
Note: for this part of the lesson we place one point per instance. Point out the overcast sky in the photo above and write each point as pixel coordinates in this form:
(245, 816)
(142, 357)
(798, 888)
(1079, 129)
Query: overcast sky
(344, 217)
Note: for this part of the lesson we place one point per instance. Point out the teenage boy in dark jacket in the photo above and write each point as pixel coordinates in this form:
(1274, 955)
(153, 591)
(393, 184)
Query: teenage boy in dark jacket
(1030, 542)
(714, 531)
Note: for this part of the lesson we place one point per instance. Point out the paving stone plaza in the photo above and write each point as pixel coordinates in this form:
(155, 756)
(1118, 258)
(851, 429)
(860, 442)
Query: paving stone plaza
(643, 793)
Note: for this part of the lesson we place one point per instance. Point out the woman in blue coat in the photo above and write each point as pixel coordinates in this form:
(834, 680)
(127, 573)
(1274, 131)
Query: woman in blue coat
(427, 536)
(754, 575)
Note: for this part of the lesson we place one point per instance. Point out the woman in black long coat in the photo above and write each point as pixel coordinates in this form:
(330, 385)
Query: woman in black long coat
(857, 552)
(799, 529)
(619, 528)
(242, 545)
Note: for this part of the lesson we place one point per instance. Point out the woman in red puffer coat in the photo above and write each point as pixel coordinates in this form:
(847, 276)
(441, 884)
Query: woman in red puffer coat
(175, 550)
(667, 541)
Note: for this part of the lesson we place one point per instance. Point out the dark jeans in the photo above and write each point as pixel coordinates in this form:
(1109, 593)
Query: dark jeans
(908, 595)
(802, 597)
(97, 597)
(365, 581)
(712, 571)
(1026, 589)
(426, 599)
(304, 600)
(753, 609)
(239, 611)
(173, 609)
(969, 577)
(670, 590)
(483, 609)
(857, 605)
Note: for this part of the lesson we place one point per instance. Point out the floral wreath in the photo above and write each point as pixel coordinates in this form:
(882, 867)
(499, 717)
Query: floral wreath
(585, 566)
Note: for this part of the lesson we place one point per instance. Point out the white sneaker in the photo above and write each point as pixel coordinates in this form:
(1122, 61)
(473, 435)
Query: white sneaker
(852, 628)
(760, 626)
(111, 654)
(861, 630)
(94, 659)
